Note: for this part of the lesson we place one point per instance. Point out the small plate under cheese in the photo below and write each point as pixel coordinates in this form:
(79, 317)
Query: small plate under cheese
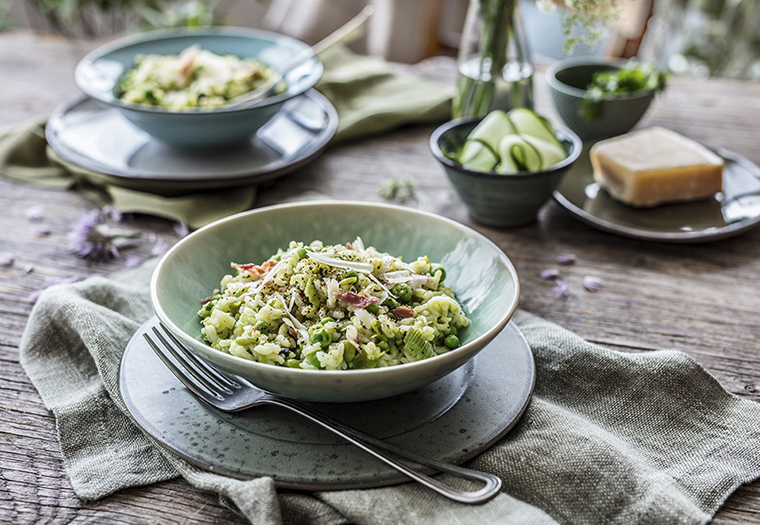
(655, 166)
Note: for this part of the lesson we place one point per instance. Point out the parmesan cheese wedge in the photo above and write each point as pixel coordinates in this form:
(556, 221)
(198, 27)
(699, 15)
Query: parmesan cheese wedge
(654, 166)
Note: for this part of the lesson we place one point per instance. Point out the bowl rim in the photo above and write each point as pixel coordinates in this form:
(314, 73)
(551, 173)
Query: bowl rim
(436, 361)
(167, 34)
(570, 63)
(566, 133)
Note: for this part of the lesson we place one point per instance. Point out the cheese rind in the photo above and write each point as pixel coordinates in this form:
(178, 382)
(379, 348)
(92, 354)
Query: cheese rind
(654, 166)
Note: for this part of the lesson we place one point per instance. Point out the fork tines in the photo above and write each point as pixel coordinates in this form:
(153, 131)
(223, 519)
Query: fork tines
(197, 376)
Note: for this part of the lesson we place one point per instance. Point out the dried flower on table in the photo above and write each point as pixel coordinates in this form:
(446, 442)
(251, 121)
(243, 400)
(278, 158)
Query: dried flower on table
(7, 258)
(41, 231)
(35, 213)
(92, 239)
(561, 289)
(551, 273)
(592, 283)
(181, 229)
(566, 259)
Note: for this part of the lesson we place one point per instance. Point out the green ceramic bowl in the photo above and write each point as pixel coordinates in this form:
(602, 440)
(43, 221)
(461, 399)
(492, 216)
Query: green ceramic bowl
(567, 81)
(494, 199)
(98, 73)
(478, 271)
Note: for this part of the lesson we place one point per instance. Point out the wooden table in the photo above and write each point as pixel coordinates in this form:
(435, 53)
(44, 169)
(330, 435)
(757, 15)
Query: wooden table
(702, 299)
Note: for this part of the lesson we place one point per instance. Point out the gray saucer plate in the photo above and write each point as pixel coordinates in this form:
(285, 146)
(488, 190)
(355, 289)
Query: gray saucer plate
(452, 419)
(100, 139)
(734, 211)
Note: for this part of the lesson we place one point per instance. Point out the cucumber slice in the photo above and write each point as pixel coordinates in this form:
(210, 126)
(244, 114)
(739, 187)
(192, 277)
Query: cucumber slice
(527, 122)
(507, 166)
(494, 126)
(550, 153)
(477, 156)
(524, 155)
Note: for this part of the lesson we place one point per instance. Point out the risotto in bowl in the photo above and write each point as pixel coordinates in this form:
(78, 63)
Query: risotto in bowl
(336, 301)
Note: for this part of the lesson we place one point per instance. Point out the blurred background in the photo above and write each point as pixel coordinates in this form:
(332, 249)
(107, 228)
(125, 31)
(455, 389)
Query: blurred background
(701, 38)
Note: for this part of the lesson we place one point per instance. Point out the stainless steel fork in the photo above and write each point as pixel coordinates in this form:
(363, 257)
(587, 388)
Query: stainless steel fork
(233, 394)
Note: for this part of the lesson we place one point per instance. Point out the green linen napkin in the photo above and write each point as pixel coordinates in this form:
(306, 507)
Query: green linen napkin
(369, 95)
(608, 437)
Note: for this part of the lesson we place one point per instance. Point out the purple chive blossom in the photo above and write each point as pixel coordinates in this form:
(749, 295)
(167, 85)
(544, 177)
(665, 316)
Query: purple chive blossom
(551, 273)
(35, 213)
(132, 261)
(566, 259)
(592, 283)
(160, 247)
(92, 239)
(112, 213)
(40, 230)
(561, 289)
(7, 258)
(181, 229)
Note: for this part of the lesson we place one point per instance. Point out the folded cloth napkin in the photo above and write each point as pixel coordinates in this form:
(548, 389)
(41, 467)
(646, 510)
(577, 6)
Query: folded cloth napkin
(369, 94)
(608, 437)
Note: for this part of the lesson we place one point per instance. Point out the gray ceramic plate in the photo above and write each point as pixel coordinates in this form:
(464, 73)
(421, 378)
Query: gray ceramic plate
(100, 139)
(452, 419)
(730, 213)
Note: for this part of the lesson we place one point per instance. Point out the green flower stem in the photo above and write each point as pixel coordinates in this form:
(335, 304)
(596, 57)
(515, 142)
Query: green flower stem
(475, 95)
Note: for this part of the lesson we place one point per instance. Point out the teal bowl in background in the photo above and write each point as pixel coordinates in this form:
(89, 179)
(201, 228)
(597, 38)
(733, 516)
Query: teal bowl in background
(568, 80)
(494, 199)
(481, 275)
(98, 73)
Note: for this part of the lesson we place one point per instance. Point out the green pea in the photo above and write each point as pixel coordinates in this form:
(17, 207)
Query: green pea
(314, 361)
(349, 352)
(327, 320)
(373, 308)
(402, 292)
(301, 253)
(438, 268)
(390, 303)
(293, 363)
(451, 341)
(277, 257)
(323, 337)
(262, 326)
(453, 330)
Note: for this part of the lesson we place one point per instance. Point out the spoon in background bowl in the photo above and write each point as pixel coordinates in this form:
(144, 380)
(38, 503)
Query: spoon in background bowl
(349, 31)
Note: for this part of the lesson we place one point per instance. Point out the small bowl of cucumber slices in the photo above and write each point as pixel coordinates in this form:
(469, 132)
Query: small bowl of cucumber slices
(505, 166)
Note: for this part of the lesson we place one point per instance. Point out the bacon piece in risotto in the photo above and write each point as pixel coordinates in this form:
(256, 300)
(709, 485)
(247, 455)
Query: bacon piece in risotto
(254, 269)
(403, 311)
(361, 300)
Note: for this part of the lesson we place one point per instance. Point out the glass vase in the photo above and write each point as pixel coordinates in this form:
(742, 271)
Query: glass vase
(494, 64)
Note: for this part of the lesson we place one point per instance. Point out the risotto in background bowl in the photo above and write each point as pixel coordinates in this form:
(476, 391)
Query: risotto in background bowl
(350, 333)
(100, 73)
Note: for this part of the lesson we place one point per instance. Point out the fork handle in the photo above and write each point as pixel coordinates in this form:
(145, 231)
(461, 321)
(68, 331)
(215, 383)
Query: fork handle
(363, 441)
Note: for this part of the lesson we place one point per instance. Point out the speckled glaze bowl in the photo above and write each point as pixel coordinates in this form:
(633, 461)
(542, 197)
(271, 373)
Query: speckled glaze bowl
(98, 73)
(567, 81)
(478, 271)
(494, 199)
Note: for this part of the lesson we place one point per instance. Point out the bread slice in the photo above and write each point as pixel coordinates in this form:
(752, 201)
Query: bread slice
(654, 166)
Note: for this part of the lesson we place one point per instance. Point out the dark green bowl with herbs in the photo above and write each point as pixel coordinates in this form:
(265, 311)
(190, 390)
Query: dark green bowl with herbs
(496, 199)
(613, 107)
